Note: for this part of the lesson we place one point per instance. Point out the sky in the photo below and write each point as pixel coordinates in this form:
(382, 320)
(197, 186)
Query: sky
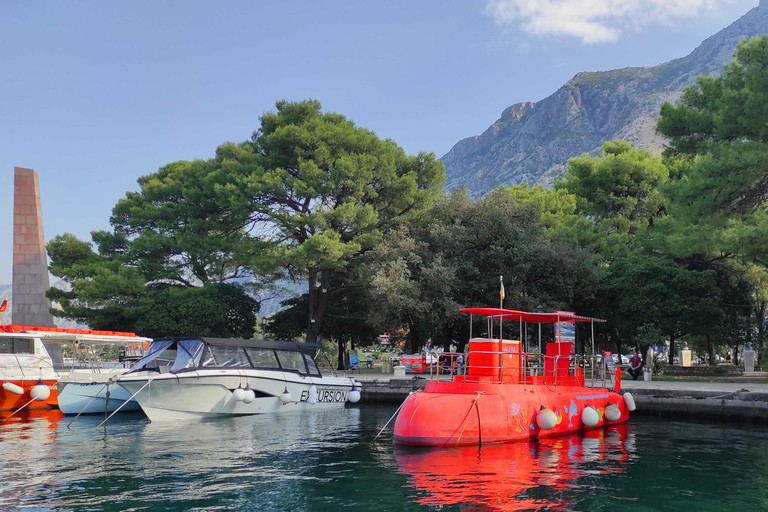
(94, 94)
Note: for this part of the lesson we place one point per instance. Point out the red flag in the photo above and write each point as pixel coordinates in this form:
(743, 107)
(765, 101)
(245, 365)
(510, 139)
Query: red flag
(5, 305)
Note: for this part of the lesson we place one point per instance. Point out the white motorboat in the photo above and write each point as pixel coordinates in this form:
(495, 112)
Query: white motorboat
(85, 392)
(208, 377)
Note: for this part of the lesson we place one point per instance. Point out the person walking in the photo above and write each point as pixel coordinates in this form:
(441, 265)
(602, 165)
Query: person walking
(635, 365)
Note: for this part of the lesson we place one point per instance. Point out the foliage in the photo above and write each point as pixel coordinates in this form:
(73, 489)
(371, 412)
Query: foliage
(346, 323)
(326, 189)
(452, 257)
(618, 192)
(111, 291)
(177, 229)
(642, 292)
(720, 127)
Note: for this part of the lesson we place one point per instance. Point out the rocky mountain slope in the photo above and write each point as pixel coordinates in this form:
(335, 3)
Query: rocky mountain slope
(532, 142)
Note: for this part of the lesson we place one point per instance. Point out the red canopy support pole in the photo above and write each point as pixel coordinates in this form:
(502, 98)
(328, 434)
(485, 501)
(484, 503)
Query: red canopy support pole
(501, 330)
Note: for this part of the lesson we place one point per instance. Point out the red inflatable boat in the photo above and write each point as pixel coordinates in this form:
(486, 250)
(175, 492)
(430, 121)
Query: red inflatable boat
(504, 394)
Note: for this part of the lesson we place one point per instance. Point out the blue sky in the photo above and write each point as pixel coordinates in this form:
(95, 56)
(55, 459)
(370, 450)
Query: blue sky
(95, 94)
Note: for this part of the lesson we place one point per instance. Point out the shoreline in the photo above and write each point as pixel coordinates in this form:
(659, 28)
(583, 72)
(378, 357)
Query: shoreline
(723, 401)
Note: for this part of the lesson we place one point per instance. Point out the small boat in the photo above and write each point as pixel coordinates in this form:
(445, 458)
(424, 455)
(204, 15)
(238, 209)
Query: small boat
(186, 378)
(94, 393)
(33, 372)
(26, 370)
(505, 394)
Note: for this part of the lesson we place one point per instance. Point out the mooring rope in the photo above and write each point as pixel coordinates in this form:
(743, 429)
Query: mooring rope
(126, 402)
(466, 418)
(393, 416)
(86, 405)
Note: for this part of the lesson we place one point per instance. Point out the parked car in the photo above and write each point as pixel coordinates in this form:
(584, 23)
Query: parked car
(624, 359)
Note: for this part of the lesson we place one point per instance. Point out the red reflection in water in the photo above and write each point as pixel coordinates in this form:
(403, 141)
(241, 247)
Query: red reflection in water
(501, 477)
(24, 421)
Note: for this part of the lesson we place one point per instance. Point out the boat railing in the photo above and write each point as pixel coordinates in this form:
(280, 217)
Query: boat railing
(533, 368)
(24, 366)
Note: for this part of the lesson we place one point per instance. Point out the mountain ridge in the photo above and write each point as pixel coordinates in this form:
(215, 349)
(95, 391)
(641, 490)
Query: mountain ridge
(532, 141)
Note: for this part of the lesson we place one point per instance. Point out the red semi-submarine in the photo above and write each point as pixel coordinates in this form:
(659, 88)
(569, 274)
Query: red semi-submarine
(504, 394)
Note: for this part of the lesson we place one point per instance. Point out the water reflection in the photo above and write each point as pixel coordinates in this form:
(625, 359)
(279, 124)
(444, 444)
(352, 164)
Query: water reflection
(517, 476)
(228, 462)
(328, 461)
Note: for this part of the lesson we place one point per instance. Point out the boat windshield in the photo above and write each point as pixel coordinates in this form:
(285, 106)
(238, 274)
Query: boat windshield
(188, 354)
(159, 358)
(174, 356)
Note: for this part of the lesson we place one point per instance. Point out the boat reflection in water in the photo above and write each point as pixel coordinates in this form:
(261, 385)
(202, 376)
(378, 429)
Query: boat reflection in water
(515, 476)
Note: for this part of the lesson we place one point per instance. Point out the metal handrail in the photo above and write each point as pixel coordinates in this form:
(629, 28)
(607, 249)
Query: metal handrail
(592, 366)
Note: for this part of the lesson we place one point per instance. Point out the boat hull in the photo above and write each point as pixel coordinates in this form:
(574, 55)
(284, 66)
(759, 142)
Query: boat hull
(460, 414)
(91, 398)
(10, 401)
(204, 394)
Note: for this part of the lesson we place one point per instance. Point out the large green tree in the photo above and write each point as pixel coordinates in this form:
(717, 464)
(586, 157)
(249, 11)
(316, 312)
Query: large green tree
(619, 193)
(108, 292)
(648, 291)
(452, 257)
(162, 270)
(719, 138)
(325, 191)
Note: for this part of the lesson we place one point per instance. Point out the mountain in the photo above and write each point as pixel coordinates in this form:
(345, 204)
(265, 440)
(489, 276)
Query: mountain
(532, 142)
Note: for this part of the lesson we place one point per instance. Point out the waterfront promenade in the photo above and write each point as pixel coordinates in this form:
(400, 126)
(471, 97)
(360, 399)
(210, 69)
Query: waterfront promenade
(745, 400)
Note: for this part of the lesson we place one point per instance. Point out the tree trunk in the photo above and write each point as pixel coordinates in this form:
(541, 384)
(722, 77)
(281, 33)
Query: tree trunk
(672, 348)
(342, 361)
(711, 351)
(318, 301)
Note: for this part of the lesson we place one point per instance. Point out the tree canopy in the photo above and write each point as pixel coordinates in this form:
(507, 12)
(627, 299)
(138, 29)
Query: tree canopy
(326, 190)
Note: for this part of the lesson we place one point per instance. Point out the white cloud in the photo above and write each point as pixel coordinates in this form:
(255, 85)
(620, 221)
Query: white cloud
(592, 21)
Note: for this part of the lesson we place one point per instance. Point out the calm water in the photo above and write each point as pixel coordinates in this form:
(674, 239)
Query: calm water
(329, 461)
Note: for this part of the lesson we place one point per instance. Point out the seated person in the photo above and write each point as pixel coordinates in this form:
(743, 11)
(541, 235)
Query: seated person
(635, 365)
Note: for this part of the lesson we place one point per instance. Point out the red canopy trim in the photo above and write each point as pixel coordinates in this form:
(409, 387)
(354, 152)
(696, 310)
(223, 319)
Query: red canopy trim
(538, 318)
(491, 311)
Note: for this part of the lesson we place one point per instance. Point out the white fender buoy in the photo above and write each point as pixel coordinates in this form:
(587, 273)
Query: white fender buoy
(40, 392)
(612, 412)
(629, 401)
(13, 388)
(312, 399)
(239, 394)
(249, 395)
(546, 419)
(285, 397)
(589, 416)
(354, 395)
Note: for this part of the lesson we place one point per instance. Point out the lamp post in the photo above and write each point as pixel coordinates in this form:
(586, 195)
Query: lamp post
(264, 327)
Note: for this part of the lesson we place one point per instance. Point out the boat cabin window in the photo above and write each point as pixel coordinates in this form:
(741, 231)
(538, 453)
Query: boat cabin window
(263, 358)
(160, 357)
(291, 361)
(311, 366)
(17, 346)
(226, 357)
(188, 355)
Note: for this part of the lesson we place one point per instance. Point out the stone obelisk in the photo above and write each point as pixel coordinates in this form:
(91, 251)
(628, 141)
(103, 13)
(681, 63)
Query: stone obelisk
(29, 305)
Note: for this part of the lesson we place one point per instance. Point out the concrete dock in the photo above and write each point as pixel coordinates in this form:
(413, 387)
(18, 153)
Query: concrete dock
(740, 401)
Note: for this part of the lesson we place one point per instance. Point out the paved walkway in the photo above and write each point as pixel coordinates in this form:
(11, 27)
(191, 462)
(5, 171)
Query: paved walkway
(726, 387)
(695, 386)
